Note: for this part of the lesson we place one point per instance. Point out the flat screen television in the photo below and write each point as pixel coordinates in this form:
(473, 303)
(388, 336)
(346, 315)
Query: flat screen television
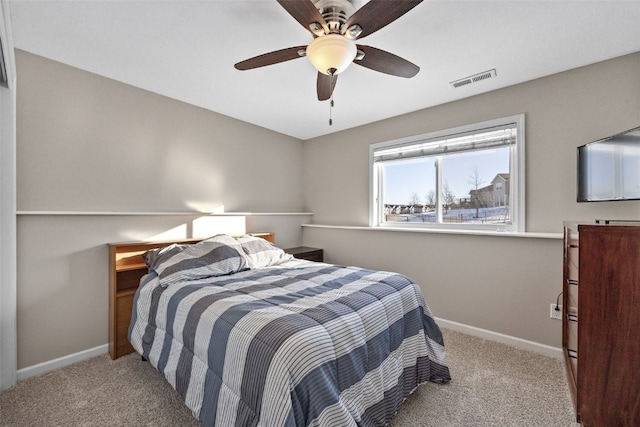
(609, 169)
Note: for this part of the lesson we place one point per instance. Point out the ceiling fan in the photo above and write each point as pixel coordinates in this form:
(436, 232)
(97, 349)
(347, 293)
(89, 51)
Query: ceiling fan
(335, 25)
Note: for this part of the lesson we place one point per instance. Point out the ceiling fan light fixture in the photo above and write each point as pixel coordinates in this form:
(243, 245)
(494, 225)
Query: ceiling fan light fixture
(331, 54)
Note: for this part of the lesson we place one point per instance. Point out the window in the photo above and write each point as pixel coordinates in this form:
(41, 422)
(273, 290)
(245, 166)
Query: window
(471, 177)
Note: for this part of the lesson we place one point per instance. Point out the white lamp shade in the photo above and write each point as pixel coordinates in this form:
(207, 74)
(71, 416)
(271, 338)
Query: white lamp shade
(331, 52)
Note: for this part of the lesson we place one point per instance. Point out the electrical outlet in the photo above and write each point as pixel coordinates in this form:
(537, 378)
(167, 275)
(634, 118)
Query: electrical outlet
(555, 314)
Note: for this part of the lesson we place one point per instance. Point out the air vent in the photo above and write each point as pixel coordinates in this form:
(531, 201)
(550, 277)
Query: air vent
(473, 79)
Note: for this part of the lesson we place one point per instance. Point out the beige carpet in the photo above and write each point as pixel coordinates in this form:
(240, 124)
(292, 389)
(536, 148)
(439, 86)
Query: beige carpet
(493, 385)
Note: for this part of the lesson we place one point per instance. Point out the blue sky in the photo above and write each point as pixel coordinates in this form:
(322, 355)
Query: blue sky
(402, 179)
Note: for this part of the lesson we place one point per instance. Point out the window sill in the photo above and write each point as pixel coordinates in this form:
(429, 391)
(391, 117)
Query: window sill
(157, 213)
(528, 235)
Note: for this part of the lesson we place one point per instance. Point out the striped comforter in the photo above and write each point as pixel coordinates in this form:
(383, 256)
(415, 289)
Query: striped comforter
(296, 344)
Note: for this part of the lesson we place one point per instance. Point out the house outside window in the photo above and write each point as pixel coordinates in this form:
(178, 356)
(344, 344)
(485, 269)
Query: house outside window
(470, 177)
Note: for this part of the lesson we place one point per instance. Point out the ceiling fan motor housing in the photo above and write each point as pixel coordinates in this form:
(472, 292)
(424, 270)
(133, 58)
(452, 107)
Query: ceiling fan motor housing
(335, 13)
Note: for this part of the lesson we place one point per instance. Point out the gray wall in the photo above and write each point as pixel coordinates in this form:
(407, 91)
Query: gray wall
(503, 284)
(87, 144)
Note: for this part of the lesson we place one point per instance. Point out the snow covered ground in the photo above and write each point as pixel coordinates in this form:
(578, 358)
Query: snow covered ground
(496, 215)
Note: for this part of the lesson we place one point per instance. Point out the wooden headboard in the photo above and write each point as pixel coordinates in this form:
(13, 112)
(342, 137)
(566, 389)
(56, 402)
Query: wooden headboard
(126, 268)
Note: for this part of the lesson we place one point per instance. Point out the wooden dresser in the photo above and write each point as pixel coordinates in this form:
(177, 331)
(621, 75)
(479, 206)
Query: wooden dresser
(126, 268)
(601, 322)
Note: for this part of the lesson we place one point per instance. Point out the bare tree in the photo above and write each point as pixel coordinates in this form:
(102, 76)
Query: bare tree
(476, 181)
(447, 195)
(414, 200)
(431, 198)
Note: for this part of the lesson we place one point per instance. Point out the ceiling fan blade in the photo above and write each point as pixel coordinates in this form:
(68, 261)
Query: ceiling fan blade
(325, 86)
(385, 62)
(305, 13)
(271, 58)
(379, 13)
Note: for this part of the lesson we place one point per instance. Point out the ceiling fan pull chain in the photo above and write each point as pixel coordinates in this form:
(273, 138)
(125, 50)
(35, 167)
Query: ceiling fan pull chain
(330, 107)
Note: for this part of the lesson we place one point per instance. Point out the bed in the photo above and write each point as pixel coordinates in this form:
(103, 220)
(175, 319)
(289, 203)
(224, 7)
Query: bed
(250, 336)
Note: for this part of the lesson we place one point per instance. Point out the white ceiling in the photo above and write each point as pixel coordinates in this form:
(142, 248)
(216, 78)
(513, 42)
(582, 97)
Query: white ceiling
(186, 50)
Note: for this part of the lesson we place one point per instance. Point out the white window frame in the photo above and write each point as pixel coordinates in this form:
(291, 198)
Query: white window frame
(516, 178)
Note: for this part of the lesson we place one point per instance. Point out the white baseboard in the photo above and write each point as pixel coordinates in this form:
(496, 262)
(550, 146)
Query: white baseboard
(544, 349)
(60, 362)
(547, 350)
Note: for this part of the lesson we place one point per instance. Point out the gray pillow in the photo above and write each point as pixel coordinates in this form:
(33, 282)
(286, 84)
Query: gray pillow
(216, 256)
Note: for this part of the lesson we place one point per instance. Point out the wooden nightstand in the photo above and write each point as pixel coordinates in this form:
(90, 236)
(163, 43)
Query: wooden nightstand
(305, 252)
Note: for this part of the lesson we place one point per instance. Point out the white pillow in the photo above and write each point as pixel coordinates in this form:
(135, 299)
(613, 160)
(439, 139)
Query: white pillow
(261, 253)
